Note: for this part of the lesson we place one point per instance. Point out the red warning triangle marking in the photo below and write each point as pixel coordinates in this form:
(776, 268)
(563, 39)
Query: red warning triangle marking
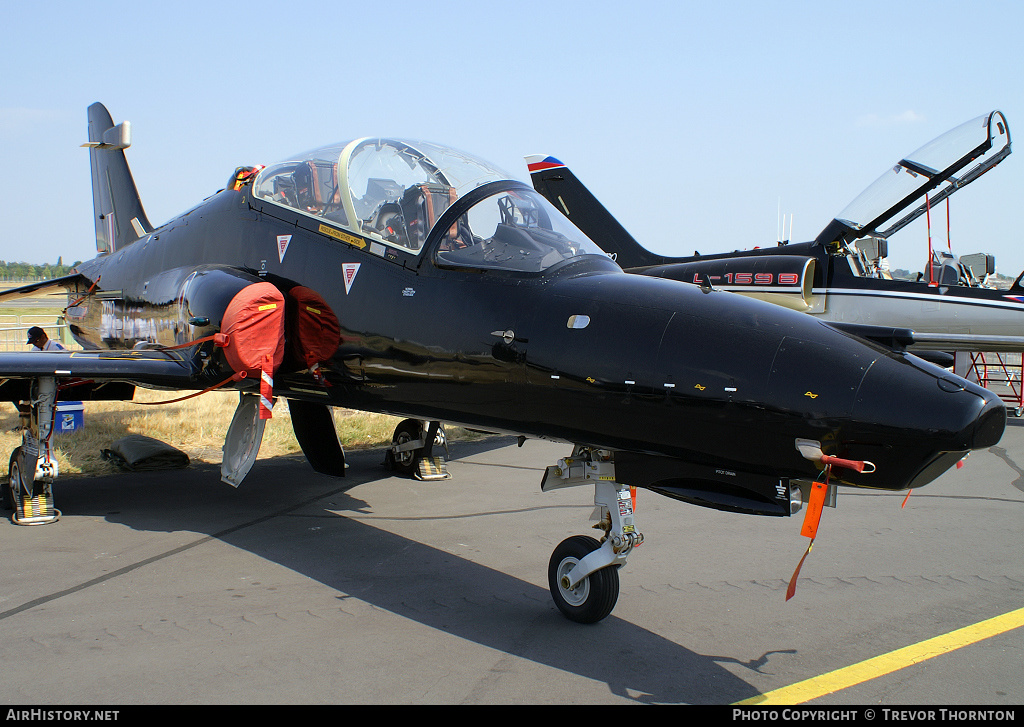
(282, 246)
(349, 271)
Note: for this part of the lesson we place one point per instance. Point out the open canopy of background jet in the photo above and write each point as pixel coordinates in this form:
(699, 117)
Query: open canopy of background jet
(394, 192)
(938, 169)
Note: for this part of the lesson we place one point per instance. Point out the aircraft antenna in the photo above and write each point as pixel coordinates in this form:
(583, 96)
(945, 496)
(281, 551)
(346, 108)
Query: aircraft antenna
(780, 227)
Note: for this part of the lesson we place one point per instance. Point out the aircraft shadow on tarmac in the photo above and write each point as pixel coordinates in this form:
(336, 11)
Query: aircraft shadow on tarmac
(474, 602)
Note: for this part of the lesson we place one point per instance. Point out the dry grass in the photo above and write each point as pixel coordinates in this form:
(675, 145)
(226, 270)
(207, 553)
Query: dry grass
(196, 427)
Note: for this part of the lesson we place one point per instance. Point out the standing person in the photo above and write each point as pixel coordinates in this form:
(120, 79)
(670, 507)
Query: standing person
(37, 337)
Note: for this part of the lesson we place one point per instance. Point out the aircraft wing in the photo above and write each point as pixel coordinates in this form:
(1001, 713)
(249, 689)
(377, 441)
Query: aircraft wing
(146, 366)
(917, 341)
(966, 342)
(88, 373)
(54, 286)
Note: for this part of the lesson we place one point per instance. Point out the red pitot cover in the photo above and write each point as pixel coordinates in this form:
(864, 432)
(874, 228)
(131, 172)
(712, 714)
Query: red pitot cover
(252, 336)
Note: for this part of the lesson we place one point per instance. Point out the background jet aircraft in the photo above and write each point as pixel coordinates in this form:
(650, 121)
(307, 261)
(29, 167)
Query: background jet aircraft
(837, 276)
(413, 279)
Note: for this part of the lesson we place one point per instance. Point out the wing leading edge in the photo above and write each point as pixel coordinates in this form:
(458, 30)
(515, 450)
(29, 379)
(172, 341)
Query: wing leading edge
(163, 369)
(54, 286)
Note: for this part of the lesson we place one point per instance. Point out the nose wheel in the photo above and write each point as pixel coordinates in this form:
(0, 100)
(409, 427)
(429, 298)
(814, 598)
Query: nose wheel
(583, 573)
(592, 598)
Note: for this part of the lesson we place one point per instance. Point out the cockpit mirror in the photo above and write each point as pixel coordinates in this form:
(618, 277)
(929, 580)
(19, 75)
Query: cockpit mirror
(980, 263)
(874, 248)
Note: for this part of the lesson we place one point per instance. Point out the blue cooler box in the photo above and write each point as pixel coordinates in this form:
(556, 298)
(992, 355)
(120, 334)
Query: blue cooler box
(70, 417)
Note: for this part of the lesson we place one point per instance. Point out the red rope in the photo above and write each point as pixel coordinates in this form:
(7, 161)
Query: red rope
(233, 377)
(928, 216)
(949, 240)
(91, 287)
(189, 343)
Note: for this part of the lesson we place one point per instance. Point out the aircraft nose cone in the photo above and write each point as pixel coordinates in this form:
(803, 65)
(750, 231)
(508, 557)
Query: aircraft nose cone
(924, 420)
(987, 427)
(973, 417)
(923, 400)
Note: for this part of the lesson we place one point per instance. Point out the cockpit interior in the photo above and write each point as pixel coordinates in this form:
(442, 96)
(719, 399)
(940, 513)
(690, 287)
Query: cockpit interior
(395, 192)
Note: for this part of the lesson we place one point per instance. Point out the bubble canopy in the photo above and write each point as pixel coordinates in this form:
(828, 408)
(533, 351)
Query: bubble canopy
(395, 191)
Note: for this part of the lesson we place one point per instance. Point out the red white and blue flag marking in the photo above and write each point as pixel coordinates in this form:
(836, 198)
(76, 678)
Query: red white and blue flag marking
(537, 163)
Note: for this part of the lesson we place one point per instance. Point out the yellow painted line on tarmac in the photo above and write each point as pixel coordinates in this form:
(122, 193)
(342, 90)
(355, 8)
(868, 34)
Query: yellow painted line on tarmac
(887, 663)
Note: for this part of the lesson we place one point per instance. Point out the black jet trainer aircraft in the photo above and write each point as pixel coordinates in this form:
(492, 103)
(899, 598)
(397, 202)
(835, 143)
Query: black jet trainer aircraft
(838, 276)
(413, 279)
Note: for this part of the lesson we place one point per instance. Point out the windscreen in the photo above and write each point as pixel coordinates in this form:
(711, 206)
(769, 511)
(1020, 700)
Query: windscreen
(515, 230)
(389, 190)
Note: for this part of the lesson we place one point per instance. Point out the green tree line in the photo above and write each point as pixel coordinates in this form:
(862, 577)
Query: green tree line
(28, 272)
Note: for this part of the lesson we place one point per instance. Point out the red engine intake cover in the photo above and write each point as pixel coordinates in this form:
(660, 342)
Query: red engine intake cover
(254, 326)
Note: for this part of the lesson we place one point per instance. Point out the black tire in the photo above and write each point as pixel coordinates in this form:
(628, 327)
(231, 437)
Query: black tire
(13, 473)
(406, 463)
(595, 596)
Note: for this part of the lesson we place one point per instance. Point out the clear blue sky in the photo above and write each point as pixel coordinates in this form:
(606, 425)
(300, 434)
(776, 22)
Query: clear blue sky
(693, 121)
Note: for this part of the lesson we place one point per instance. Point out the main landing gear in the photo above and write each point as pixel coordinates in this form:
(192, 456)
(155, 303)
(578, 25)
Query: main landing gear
(33, 467)
(412, 450)
(583, 573)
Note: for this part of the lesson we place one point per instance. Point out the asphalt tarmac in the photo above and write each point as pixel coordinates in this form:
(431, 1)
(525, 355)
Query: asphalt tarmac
(297, 588)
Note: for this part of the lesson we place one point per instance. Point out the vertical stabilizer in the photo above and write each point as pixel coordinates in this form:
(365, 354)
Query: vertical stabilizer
(117, 209)
(560, 187)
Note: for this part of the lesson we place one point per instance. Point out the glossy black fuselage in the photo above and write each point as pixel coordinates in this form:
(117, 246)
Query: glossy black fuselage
(581, 352)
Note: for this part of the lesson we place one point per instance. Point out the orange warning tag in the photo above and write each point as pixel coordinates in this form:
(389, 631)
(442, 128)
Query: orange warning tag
(815, 502)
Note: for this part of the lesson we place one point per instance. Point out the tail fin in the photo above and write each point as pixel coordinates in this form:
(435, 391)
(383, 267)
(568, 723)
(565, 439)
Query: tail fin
(117, 209)
(561, 188)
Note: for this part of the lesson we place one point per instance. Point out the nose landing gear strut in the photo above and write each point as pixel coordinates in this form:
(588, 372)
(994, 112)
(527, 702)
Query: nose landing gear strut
(583, 572)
